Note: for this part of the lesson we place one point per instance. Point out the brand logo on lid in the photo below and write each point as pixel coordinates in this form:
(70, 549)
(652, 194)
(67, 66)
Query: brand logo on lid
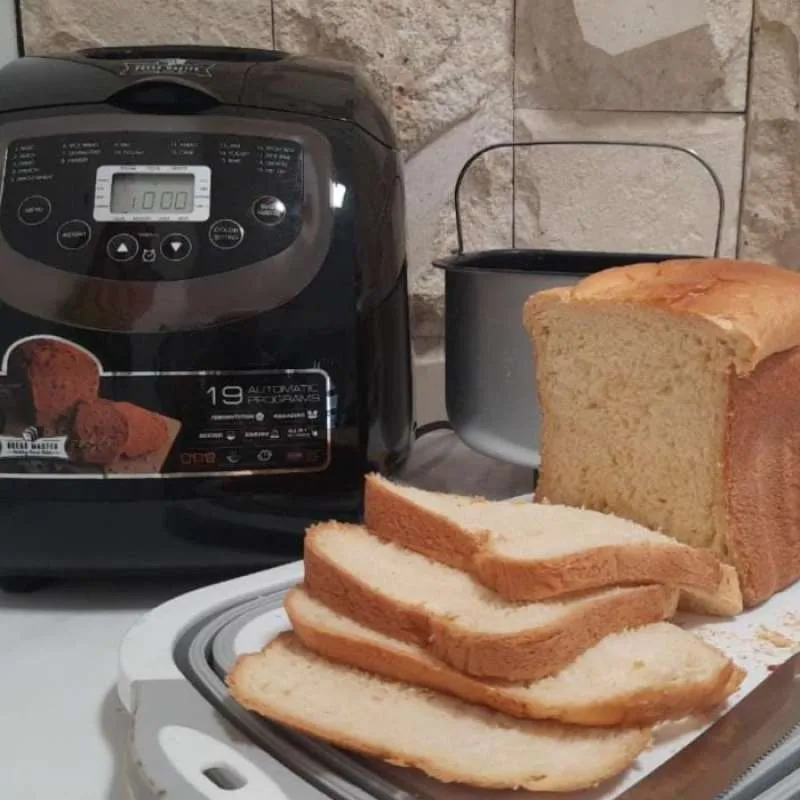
(167, 66)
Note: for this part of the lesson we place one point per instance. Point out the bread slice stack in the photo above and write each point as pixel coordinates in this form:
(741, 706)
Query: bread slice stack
(493, 644)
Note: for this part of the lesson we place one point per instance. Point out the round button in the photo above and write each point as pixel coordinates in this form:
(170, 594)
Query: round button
(269, 210)
(175, 247)
(226, 234)
(122, 247)
(74, 234)
(34, 210)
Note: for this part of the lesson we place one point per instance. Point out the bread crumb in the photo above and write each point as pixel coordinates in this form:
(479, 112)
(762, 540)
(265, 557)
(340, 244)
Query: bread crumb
(774, 638)
(639, 664)
(792, 620)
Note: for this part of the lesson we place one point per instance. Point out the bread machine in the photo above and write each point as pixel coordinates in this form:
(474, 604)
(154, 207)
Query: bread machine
(204, 335)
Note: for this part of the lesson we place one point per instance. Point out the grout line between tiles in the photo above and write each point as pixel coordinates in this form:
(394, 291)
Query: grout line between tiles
(747, 119)
(514, 123)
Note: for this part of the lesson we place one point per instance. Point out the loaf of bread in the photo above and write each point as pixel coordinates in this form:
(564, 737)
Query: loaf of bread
(444, 737)
(408, 596)
(669, 395)
(56, 376)
(636, 677)
(528, 551)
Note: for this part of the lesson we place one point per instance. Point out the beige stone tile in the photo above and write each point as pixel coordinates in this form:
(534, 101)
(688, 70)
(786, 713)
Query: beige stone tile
(771, 203)
(621, 198)
(59, 25)
(671, 55)
(435, 63)
(445, 72)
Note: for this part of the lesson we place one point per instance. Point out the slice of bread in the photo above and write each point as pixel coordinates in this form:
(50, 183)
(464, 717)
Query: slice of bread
(406, 595)
(638, 677)
(446, 738)
(532, 551)
(727, 601)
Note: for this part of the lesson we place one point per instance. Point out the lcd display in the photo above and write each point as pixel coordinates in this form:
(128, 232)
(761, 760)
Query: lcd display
(159, 195)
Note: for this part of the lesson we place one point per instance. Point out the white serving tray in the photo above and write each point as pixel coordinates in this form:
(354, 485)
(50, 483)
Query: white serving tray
(180, 731)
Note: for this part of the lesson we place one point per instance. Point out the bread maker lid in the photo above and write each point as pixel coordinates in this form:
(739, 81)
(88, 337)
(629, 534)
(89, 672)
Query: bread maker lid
(228, 76)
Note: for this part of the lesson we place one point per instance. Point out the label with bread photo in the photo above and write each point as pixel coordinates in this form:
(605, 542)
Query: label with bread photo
(62, 414)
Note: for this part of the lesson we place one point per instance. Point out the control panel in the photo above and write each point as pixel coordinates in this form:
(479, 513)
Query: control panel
(151, 206)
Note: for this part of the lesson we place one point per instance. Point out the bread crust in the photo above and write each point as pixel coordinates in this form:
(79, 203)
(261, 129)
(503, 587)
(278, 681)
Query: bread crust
(431, 766)
(528, 656)
(392, 517)
(620, 565)
(762, 476)
(519, 656)
(640, 708)
(755, 307)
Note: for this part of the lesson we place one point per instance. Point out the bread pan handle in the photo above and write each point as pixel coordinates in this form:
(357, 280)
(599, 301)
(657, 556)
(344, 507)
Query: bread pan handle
(604, 142)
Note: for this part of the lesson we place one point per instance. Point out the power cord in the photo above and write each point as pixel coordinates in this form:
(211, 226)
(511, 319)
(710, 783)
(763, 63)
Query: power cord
(431, 427)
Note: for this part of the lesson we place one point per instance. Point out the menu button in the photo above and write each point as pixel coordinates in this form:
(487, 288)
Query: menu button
(34, 210)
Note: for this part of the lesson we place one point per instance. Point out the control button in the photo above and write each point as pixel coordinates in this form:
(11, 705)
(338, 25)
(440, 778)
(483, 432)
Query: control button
(269, 210)
(34, 210)
(74, 235)
(122, 247)
(148, 255)
(176, 247)
(226, 234)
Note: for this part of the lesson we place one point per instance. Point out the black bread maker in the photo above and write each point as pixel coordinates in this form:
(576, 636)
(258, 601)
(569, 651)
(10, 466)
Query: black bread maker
(203, 308)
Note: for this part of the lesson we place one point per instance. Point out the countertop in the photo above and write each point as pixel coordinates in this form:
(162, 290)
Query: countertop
(62, 728)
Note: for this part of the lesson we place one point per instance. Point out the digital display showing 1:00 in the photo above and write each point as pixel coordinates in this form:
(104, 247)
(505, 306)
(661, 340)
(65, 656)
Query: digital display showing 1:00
(152, 194)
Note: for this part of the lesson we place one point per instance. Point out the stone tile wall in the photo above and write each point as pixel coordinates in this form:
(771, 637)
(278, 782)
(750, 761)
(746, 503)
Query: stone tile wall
(719, 76)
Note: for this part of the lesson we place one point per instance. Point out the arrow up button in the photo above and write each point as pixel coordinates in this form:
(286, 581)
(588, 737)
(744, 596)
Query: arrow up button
(122, 247)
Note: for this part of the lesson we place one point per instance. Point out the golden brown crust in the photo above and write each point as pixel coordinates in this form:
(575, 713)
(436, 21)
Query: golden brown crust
(614, 565)
(388, 516)
(642, 708)
(430, 766)
(531, 655)
(756, 307)
(762, 476)
(346, 594)
(526, 655)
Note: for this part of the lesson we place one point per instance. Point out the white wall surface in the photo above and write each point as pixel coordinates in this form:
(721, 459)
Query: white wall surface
(8, 31)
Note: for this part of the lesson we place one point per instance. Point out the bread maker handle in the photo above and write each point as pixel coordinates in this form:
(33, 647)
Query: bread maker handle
(604, 142)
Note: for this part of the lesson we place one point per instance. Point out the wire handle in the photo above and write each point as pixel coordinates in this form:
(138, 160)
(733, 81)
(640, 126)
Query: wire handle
(605, 142)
